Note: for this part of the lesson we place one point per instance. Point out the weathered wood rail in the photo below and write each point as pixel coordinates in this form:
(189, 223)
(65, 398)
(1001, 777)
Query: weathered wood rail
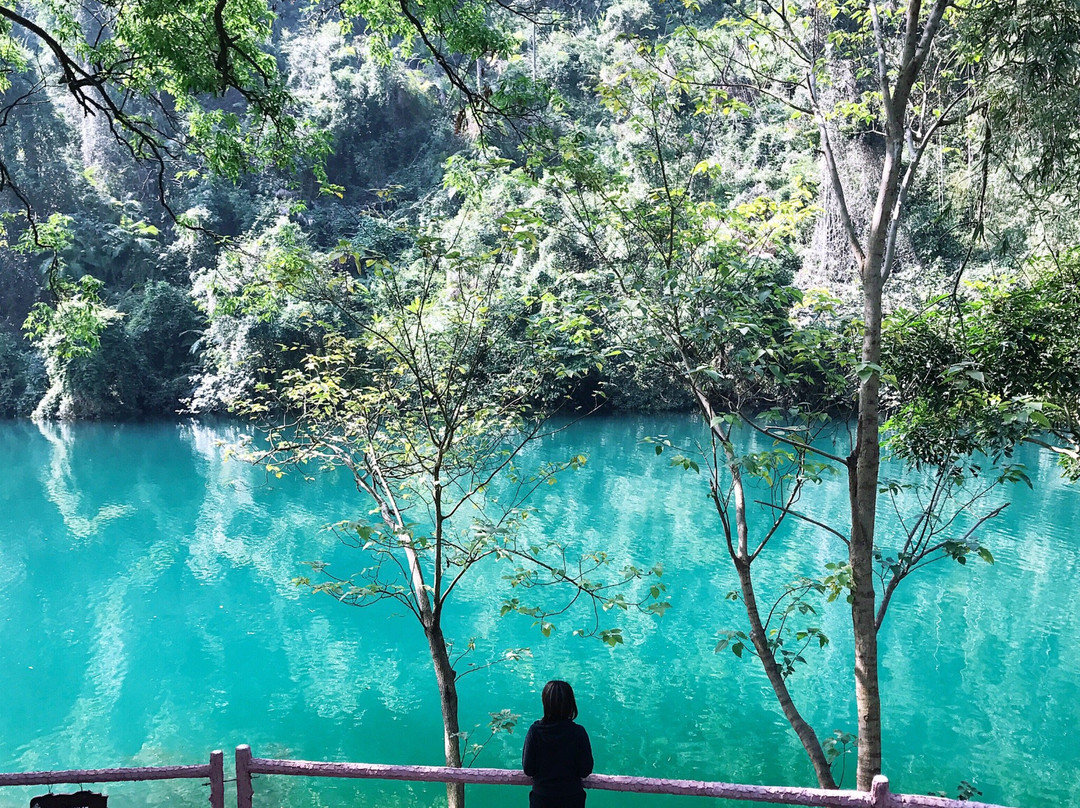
(247, 765)
(878, 797)
(214, 771)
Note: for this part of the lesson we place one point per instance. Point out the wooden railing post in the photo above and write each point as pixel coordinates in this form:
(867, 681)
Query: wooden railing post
(244, 791)
(217, 779)
(879, 792)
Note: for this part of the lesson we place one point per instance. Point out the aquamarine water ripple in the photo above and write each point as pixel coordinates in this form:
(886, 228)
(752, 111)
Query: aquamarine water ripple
(147, 616)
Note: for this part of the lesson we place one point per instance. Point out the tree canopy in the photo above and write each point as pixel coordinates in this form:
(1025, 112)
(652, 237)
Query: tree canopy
(772, 213)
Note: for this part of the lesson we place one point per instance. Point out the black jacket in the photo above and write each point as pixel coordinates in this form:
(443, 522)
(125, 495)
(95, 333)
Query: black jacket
(556, 756)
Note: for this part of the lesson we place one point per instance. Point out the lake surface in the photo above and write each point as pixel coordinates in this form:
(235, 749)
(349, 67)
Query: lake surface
(147, 616)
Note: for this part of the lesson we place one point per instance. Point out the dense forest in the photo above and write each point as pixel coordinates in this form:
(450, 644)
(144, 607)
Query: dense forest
(401, 235)
(174, 259)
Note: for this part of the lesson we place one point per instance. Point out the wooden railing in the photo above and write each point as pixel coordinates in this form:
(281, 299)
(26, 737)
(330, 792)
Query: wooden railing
(878, 797)
(214, 771)
(246, 765)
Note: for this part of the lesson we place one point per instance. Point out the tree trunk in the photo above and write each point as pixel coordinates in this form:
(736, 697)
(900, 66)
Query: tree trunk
(758, 637)
(863, 614)
(740, 555)
(448, 701)
(876, 266)
(863, 469)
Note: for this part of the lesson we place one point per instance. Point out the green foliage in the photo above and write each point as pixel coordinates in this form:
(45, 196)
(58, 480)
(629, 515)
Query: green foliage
(187, 52)
(502, 721)
(382, 119)
(455, 28)
(1027, 59)
(73, 328)
(101, 362)
(691, 265)
(787, 643)
(388, 120)
(154, 89)
(997, 367)
(839, 747)
(53, 235)
(21, 377)
(248, 298)
(428, 381)
(964, 791)
(162, 328)
(93, 385)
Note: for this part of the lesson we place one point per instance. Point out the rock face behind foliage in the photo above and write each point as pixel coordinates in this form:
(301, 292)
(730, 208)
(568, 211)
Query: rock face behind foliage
(828, 262)
(391, 129)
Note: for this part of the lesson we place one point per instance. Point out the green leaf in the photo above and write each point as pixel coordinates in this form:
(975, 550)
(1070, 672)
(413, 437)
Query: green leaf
(867, 369)
(612, 636)
(1040, 419)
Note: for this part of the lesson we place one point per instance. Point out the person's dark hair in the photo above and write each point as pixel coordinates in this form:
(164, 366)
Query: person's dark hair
(559, 704)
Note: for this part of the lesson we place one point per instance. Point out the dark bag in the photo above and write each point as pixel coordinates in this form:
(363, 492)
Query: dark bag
(80, 799)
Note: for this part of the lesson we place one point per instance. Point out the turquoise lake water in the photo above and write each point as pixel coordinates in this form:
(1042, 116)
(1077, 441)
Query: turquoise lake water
(147, 617)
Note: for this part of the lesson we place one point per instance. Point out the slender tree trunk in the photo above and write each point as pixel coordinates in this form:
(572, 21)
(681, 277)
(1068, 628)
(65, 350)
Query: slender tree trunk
(863, 614)
(431, 620)
(875, 266)
(863, 469)
(758, 637)
(448, 701)
(740, 555)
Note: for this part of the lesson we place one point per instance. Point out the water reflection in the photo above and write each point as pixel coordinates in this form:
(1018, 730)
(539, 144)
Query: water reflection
(147, 615)
(65, 491)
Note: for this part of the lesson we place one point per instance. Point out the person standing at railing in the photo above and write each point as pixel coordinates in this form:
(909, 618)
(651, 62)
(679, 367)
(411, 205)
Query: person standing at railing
(557, 753)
